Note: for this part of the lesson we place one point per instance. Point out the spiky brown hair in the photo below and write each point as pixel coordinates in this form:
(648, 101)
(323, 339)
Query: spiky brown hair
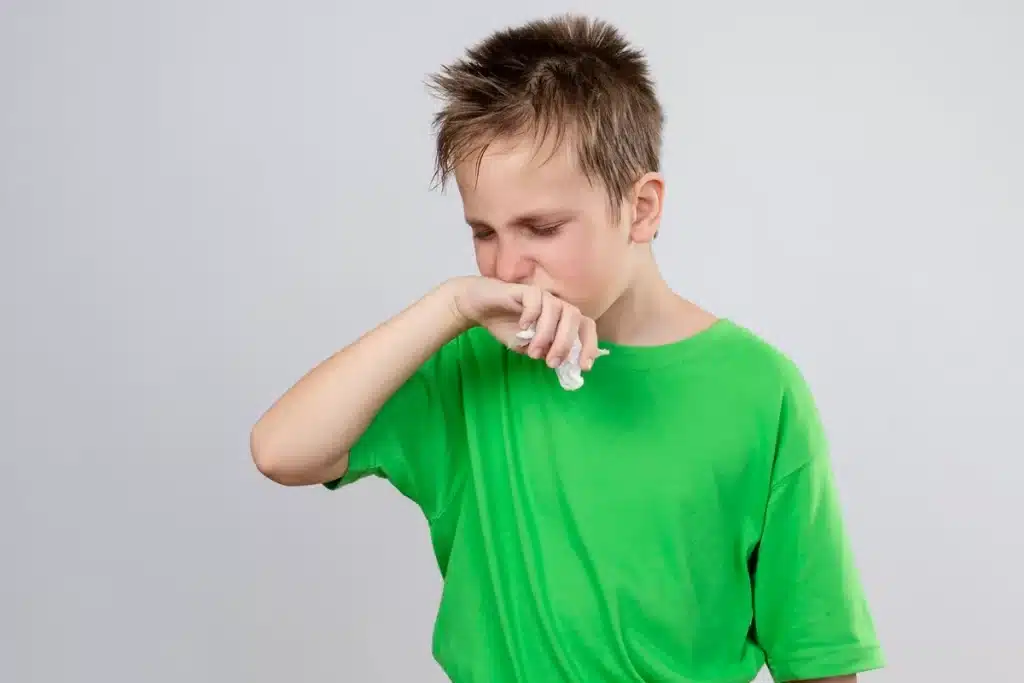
(570, 75)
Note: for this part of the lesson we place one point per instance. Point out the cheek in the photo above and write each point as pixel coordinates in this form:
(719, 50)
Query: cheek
(484, 254)
(576, 262)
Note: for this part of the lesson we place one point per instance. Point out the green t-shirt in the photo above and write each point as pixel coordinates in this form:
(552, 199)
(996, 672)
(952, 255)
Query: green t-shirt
(674, 520)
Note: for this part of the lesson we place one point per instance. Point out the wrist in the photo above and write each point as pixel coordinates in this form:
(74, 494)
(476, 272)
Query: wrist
(448, 295)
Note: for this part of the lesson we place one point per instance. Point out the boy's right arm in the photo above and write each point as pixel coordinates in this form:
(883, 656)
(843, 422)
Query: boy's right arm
(305, 436)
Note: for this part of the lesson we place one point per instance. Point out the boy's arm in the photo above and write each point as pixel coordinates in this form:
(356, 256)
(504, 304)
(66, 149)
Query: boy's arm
(305, 437)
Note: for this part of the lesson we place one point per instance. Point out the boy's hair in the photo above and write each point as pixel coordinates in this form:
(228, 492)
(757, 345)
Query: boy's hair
(571, 75)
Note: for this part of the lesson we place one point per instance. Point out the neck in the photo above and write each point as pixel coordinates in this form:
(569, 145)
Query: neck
(649, 313)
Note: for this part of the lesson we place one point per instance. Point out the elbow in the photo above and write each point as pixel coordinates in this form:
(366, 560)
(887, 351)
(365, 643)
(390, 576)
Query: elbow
(268, 455)
(284, 462)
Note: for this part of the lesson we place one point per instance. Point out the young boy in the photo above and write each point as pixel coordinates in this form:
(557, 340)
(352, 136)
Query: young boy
(675, 518)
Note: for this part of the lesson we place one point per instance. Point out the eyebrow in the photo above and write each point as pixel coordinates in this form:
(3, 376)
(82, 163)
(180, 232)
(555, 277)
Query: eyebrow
(532, 218)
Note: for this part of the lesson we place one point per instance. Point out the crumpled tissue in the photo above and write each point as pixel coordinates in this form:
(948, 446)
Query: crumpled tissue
(569, 373)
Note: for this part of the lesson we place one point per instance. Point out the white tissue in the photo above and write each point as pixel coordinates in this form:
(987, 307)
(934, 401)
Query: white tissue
(569, 373)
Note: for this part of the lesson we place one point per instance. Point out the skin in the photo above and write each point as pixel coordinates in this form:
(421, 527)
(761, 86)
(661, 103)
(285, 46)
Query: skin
(537, 219)
(551, 251)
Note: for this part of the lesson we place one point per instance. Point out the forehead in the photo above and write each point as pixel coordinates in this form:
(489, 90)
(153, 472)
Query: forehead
(522, 175)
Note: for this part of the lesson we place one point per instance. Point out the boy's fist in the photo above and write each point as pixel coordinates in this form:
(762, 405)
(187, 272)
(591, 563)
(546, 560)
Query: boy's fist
(506, 309)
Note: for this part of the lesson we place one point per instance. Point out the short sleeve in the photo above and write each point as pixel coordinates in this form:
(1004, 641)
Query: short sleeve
(811, 614)
(417, 438)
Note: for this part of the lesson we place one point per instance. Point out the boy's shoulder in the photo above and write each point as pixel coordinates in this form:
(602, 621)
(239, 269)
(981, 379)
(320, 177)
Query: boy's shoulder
(762, 365)
(758, 353)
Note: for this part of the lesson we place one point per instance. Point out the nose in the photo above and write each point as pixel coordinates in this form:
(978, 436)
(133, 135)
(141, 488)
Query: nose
(511, 264)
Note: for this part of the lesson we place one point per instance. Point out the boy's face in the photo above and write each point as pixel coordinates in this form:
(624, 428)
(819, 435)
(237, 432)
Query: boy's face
(537, 219)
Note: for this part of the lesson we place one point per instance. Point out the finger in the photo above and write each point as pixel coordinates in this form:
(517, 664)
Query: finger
(546, 325)
(532, 300)
(568, 329)
(588, 340)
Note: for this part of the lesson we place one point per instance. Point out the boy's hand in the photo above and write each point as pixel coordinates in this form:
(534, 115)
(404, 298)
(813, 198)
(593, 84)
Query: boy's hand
(505, 309)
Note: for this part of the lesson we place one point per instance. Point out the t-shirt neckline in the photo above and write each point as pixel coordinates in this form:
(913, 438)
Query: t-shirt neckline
(657, 356)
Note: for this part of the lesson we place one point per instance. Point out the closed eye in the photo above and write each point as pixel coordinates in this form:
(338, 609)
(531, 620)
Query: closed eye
(484, 234)
(546, 230)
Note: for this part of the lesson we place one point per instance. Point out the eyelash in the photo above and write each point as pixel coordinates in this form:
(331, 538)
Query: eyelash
(547, 230)
(540, 231)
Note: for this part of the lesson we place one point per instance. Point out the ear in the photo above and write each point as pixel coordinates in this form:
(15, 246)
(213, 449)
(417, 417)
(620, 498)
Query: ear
(648, 200)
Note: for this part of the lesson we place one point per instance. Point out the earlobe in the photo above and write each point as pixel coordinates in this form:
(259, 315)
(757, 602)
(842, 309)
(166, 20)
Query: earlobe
(649, 193)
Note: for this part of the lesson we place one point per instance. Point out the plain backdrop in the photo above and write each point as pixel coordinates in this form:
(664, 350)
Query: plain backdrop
(201, 200)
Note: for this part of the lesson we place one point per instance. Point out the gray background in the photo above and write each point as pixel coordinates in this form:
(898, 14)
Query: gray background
(200, 200)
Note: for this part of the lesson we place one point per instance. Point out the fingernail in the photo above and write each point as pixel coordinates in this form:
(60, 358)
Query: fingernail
(554, 362)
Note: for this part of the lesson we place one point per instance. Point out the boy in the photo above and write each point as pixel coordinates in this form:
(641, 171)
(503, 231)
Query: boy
(674, 519)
